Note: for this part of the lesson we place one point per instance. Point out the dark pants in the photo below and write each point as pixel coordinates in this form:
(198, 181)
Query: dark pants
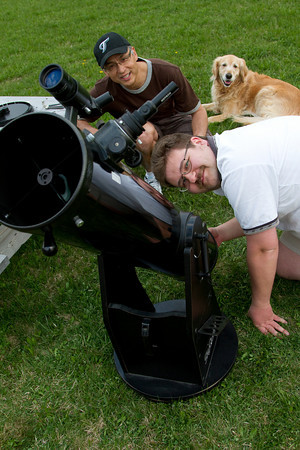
(179, 123)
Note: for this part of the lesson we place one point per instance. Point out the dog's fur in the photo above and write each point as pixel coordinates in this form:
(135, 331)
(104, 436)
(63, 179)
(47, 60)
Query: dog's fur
(238, 92)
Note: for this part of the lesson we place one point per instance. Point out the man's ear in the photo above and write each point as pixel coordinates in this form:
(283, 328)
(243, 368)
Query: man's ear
(133, 51)
(198, 140)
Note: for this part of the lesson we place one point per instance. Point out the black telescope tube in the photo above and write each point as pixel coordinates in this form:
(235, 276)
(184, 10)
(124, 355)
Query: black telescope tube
(69, 92)
(59, 83)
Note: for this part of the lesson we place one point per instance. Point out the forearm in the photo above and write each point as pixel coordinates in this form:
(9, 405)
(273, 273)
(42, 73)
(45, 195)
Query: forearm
(85, 125)
(262, 261)
(199, 122)
(227, 231)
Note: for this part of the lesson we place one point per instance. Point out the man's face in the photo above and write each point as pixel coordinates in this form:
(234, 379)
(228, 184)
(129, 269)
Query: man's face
(194, 169)
(123, 68)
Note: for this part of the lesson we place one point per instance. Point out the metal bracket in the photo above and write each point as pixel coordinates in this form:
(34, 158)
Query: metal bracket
(213, 326)
(145, 333)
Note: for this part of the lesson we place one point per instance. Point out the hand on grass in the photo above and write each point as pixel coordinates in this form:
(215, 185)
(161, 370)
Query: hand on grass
(266, 321)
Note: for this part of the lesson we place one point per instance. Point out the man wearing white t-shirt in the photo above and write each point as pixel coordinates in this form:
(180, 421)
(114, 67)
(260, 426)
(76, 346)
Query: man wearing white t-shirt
(258, 169)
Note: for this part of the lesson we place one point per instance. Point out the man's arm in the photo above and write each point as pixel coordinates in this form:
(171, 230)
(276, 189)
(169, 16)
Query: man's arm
(227, 231)
(199, 122)
(84, 124)
(262, 255)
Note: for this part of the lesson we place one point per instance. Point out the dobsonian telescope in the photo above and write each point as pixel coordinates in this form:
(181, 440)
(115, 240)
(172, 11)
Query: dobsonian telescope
(73, 187)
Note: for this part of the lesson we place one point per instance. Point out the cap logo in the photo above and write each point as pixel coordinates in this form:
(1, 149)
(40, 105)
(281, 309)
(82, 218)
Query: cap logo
(103, 45)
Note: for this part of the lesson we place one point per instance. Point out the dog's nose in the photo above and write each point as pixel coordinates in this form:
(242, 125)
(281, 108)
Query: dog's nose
(228, 76)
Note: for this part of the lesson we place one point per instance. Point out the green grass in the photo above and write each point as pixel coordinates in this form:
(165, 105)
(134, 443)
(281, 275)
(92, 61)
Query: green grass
(58, 384)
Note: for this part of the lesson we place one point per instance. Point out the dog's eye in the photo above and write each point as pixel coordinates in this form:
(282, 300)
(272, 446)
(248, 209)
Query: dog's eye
(224, 64)
(235, 66)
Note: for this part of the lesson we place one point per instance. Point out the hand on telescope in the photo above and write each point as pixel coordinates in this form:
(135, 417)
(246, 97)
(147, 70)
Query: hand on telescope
(227, 231)
(216, 236)
(266, 321)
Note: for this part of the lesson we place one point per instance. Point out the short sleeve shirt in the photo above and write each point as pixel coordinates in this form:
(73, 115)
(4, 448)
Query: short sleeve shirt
(260, 169)
(160, 74)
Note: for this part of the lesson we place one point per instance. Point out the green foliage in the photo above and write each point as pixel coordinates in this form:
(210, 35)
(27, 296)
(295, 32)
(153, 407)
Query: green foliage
(58, 384)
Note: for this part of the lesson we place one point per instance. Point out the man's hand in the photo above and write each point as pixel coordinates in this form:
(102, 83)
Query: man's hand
(262, 255)
(266, 321)
(227, 231)
(216, 235)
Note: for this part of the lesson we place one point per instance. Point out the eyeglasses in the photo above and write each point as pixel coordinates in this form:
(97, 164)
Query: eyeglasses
(185, 168)
(121, 61)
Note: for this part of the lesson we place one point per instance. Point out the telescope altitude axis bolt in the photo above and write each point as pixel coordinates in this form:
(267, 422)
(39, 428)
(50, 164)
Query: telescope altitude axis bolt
(117, 145)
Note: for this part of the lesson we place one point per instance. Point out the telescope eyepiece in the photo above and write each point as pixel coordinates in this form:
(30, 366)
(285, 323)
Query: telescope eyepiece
(69, 92)
(51, 78)
(59, 83)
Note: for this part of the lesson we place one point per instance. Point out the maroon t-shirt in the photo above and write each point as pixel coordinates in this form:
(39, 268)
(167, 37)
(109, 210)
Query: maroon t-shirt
(160, 74)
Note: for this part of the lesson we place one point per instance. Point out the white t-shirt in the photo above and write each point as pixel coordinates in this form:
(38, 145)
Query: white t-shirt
(260, 169)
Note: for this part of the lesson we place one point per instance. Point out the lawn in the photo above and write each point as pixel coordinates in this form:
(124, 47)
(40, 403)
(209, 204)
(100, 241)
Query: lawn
(58, 384)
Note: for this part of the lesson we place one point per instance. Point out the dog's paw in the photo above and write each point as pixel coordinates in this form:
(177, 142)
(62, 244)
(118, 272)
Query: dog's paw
(218, 118)
(209, 106)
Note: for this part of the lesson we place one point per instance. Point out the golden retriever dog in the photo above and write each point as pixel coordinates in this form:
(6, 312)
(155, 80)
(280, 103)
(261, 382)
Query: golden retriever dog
(237, 91)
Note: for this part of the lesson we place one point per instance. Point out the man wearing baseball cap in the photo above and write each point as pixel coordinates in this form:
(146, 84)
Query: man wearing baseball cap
(132, 81)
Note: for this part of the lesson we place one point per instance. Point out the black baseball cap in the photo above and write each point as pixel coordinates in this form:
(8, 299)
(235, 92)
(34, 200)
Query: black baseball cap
(109, 44)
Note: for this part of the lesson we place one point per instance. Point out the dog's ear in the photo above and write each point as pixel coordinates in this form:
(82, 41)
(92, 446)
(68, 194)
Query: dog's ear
(215, 69)
(243, 68)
